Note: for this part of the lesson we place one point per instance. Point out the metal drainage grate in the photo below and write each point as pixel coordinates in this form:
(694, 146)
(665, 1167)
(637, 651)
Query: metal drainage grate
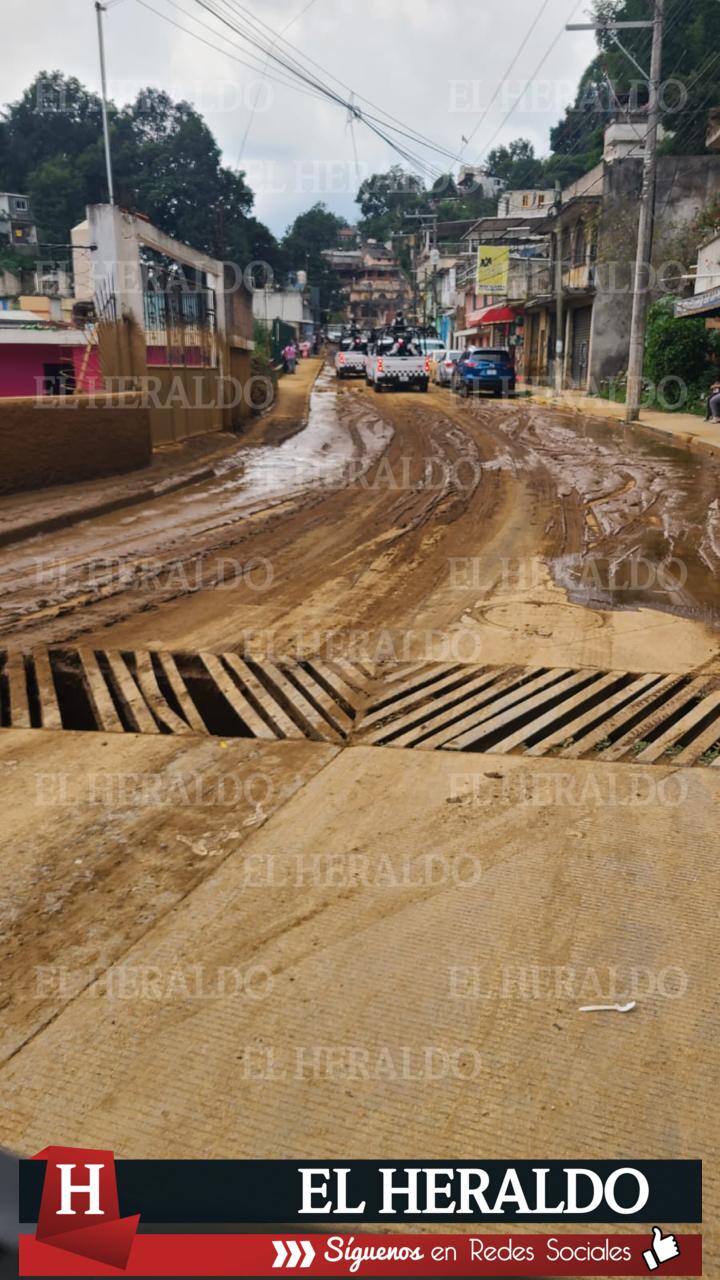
(574, 714)
(157, 692)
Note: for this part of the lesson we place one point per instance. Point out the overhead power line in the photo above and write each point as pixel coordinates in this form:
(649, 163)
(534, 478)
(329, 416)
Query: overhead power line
(502, 81)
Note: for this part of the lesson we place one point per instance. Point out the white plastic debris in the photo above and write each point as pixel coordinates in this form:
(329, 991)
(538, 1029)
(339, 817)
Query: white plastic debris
(608, 1008)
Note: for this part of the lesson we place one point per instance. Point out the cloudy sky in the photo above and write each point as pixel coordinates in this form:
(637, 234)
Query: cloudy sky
(438, 67)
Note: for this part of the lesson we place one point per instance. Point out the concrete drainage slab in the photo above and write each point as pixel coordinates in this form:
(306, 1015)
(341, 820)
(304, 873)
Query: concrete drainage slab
(572, 713)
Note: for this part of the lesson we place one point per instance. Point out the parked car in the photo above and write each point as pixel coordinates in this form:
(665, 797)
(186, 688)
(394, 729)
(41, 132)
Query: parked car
(334, 335)
(484, 369)
(350, 359)
(444, 365)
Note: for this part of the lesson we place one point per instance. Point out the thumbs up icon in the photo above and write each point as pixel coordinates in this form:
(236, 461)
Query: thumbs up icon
(663, 1248)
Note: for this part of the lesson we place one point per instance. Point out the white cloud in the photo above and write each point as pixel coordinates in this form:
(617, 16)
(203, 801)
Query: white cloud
(434, 66)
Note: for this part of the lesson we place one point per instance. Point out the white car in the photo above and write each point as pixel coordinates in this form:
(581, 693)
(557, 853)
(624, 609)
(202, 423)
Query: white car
(444, 364)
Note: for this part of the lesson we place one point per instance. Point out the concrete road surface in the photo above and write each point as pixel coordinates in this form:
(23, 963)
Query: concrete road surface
(237, 946)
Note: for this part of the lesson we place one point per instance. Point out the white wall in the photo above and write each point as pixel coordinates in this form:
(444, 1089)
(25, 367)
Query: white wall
(708, 266)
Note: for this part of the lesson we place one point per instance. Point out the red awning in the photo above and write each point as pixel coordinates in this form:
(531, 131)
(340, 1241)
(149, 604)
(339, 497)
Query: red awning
(497, 315)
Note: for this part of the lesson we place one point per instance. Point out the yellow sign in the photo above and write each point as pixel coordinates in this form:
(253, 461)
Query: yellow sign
(493, 264)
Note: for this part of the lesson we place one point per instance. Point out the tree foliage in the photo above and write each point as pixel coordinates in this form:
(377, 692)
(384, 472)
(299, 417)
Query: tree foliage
(303, 245)
(166, 165)
(679, 347)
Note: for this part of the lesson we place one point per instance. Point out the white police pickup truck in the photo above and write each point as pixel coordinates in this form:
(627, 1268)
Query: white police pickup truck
(397, 363)
(351, 359)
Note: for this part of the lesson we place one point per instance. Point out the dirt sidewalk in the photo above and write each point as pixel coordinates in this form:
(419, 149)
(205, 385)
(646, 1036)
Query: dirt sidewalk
(683, 429)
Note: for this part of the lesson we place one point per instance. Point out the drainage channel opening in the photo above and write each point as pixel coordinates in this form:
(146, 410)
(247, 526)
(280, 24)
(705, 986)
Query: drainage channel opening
(463, 674)
(647, 710)
(322, 711)
(131, 663)
(327, 686)
(165, 686)
(294, 710)
(672, 718)
(624, 704)
(486, 742)
(219, 716)
(247, 692)
(594, 699)
(33, 692)
(459, 705)
(76, 709)
(687, 738)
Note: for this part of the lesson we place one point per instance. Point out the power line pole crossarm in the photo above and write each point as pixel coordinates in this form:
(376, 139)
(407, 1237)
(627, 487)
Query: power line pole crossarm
(641, 283)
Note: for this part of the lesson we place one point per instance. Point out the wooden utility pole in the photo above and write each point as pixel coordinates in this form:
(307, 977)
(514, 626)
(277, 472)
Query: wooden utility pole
(641, 283)
(559, 315)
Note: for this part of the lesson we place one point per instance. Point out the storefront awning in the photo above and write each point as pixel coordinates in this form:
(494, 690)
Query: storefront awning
(497, 315)
(700, 304)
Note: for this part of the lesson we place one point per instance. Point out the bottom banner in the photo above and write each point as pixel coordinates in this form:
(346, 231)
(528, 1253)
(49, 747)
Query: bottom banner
(382, 1255)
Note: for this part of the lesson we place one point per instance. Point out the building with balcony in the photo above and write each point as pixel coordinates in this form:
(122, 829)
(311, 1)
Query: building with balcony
(594, 232)
(374, 285)
(17, 224)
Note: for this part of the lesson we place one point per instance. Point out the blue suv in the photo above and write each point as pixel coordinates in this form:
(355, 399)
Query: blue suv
(484, 369)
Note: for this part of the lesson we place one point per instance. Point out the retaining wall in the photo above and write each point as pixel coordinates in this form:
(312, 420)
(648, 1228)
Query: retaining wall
(67, 438)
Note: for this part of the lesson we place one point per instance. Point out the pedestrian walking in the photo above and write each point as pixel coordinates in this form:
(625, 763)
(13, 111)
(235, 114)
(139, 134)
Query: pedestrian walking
(712, 412)
(289, 357)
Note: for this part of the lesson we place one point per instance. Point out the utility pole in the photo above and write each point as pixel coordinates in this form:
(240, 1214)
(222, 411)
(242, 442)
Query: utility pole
(99, 10)
(559, 316)
(636, 352)
(645, 226)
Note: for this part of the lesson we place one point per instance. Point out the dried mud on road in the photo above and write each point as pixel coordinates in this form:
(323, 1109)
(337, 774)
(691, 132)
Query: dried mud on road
(402, 513)
(205, 936)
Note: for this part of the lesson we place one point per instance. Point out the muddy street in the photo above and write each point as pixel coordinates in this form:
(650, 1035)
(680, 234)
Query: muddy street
(361, 520)
(394, 740)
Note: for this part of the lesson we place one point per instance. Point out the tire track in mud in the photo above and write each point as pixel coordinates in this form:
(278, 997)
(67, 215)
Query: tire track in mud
(399, 472)
(639, 520)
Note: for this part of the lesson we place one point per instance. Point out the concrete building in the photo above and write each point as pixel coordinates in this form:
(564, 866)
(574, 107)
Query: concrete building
(626, 136)
(41, 357)
(374, 286)
(525, 203)
(17, 224)
(596, 225)
(491, 308)
(476, 178)
(289, 306)
(705, 300)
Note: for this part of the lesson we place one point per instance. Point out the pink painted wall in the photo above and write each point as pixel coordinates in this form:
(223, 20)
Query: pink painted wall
(92, 379)
(22, 363)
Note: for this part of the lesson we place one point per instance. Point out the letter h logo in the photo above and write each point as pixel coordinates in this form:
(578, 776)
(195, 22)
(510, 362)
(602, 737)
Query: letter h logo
(80, 1210)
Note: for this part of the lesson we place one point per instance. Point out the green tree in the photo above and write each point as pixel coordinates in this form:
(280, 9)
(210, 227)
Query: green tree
(680, 348)
(386, 198)
(303, 244)
(166, 165)
(516, 164)
(690, 71)
(57, 194)
(56, 115)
